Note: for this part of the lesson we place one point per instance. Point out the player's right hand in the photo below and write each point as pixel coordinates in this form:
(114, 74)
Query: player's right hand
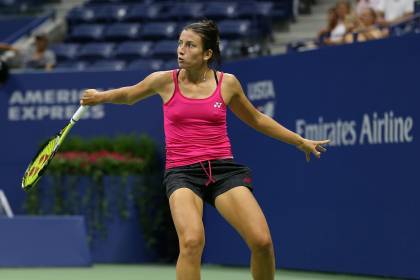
(91, 97)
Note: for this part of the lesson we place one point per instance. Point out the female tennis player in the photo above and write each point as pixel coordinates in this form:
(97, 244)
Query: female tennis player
(199, 162)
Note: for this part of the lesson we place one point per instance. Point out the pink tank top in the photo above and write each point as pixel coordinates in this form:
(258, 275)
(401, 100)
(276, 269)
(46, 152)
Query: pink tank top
(195, 129)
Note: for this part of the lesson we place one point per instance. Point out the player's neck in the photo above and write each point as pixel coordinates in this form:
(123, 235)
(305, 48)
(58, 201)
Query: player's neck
(197, 76)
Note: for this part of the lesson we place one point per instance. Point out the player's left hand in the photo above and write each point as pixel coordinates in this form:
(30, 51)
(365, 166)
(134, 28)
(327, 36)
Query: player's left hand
(312, 147)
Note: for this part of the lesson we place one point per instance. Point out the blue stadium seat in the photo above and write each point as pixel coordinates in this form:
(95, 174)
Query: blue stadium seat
(95, 51)
(165, 49)
(105, 1)
(171, 64)
(159, 30)
(186, 11)
(233, 29)
(220, 10)
(143, 12)
(181, 26)
(133, 50)
(86, 32)
(81, 15)
(146, 65)
(109, 65)
(110, 13)
(72, 65)
(65, 51)
(253, 10)
(231, 49)
(122, 31)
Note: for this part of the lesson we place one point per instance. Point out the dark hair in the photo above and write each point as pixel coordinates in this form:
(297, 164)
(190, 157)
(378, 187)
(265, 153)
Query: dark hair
(209, 34)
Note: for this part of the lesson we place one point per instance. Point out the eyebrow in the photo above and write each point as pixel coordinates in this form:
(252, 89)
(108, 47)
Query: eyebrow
(189, 41)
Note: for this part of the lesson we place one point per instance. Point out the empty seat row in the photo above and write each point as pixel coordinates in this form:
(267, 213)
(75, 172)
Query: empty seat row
(124, 51)
(165, 49)
(117, 65)
(172, 11)
(229, 29)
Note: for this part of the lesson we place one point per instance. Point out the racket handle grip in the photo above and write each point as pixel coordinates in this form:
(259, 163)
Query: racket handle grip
(79, 113)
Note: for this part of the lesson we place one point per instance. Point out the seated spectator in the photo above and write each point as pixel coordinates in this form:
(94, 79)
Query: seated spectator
(364, 4)
(332, 21)
(39, 56)
(367, 28)
(340, 21)
(394, 11)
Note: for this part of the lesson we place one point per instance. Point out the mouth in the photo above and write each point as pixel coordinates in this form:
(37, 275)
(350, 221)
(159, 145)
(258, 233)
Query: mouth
(180, 60)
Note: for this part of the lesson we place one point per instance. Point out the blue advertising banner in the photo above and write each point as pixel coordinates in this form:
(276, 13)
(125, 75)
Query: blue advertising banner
(353, 211)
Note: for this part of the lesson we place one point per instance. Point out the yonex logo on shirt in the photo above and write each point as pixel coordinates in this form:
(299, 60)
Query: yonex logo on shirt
(217, 104)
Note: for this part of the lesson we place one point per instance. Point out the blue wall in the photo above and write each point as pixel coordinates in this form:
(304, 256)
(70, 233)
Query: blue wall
(354, 211)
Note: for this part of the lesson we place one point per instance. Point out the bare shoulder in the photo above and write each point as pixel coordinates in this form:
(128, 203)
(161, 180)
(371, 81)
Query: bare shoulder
(159, 78)
(230, 87)
(162, 83)
(230, 79)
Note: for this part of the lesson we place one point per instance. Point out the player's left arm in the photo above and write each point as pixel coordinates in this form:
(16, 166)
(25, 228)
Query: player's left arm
(244, 110)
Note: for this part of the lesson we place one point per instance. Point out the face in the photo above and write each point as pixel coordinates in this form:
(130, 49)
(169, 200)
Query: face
(342, 9)
(190, 50)
(367, 18)
(41, 44)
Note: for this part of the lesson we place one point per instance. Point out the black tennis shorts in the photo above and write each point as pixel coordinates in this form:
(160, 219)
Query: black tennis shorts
(208, 179)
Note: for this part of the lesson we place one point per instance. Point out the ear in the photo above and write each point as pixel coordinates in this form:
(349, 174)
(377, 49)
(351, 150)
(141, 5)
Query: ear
(208, 54)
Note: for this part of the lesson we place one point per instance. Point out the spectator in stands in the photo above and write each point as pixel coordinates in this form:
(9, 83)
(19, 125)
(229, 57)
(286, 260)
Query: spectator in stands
(394, 11)
(332, 21)
(364, 4)
(340, 21)
(39, 56)
(367, 28)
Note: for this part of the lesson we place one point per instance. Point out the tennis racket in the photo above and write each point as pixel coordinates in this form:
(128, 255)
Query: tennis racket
(46, 153)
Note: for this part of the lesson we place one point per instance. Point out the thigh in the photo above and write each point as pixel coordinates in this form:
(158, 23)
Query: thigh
(240, 208)
(187, 213)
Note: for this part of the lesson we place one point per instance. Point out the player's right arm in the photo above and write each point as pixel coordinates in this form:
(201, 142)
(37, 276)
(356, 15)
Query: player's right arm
(156, 82)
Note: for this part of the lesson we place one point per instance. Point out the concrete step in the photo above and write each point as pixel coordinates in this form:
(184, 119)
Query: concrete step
(307, 26)
(288, 37)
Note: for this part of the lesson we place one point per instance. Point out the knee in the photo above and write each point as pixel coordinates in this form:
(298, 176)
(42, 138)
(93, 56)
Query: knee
(192, 245)
(262, 243)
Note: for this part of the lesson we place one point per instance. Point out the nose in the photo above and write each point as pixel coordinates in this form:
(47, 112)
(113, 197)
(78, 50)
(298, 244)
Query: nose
(180, 50)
